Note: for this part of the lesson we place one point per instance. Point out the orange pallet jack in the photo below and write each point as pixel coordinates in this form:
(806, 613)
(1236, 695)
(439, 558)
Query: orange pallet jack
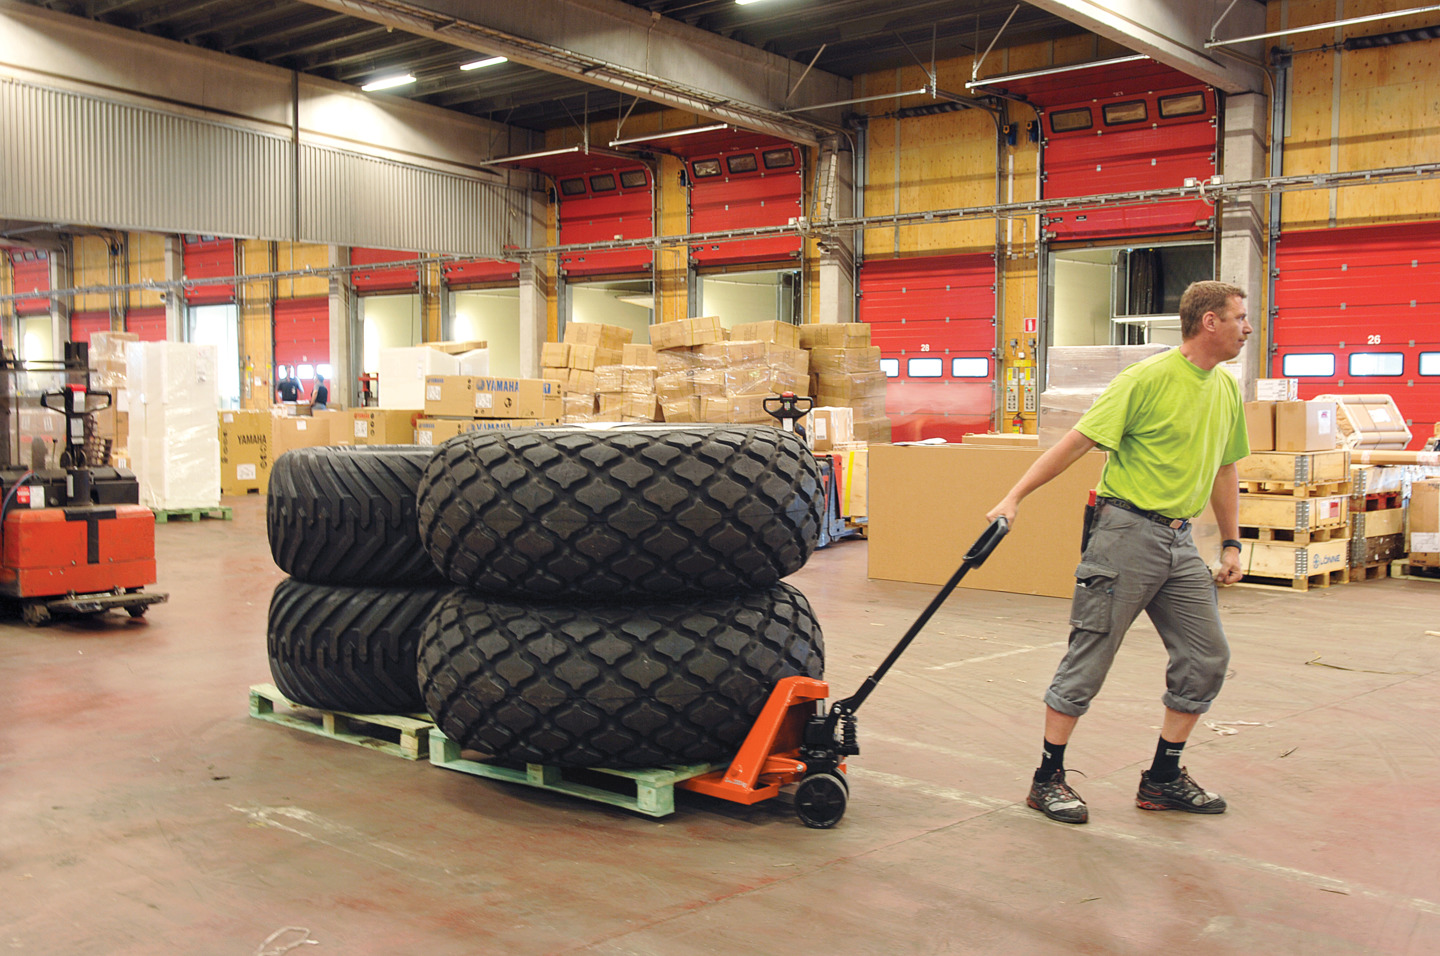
(795, 738)
(74, 539)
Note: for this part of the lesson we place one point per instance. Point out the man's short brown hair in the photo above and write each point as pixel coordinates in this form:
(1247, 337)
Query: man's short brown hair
(1201, 297)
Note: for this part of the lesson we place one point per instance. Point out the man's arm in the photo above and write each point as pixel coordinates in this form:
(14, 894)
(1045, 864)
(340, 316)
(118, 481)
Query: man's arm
(1225, 500)
(1059, 457)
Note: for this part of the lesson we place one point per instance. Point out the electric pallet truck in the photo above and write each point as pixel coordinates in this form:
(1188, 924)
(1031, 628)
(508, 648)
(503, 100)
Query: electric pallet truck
(796, 738)
(74, 539)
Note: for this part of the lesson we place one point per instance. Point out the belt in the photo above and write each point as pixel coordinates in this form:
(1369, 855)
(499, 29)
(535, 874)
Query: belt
(1179, 524)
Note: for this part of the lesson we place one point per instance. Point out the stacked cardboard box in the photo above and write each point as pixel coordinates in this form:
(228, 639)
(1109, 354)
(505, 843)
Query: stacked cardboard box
(108, 372)
(626, 393)
(572, 364)
(383, 426)
(505, 402)
(725, 381)
(1423, 531)
(245, 452)
(845, 372)
(1075, 377)
(173, 403)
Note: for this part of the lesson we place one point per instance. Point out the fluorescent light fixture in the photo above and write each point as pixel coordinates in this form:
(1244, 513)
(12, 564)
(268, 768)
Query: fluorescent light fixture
(744, 2)
(388, 83)
(488, 61)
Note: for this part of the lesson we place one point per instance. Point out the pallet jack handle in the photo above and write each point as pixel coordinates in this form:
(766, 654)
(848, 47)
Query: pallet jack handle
(975, 557)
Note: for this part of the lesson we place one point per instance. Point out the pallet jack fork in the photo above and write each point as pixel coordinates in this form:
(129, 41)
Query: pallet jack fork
(796, 738)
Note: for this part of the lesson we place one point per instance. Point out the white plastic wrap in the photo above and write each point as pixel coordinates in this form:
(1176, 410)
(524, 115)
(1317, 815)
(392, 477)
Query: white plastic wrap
(174, 399)
(475, 362)
(1060, 409)
(403, 371)
(1092, 366)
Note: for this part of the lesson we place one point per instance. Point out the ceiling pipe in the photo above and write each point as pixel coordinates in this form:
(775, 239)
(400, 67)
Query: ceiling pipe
(1351, 21)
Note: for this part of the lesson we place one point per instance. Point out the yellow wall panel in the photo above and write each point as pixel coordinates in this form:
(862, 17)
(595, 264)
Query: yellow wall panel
(147, 264)
(90, 266)
(299, 255)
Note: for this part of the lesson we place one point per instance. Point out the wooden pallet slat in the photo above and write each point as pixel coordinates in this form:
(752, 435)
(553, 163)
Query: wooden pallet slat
(396, 734)
(1324, 579)
(649, 791)
(1370, 572)
(166, 515)
(1294, 537)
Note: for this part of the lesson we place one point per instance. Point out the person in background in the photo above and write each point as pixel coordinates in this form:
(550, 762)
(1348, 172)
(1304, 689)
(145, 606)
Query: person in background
(320, 398)
(1174, 427)
(288, 387)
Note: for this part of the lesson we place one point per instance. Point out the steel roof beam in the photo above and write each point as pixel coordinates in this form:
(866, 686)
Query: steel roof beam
(611, 44)
(1175, 34)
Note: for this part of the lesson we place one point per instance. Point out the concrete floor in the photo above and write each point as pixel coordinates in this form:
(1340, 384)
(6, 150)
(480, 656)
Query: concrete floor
(144, 812)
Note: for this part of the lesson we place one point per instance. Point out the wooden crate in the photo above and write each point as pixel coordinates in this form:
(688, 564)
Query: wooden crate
(1300, 566)
(1301, 474)
(1377, 549)
(1374, 524)
(1294, 514)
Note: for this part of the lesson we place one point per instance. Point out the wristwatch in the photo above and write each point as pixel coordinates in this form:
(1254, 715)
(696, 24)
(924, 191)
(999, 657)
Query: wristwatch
(1229, 543)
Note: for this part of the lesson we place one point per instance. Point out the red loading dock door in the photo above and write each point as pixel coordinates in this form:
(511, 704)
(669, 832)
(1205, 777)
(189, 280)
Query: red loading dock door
(1124, 128)
(1366, 300)
(377, 279)
(85, 324)
(302, 331)
(206, 257)
(31, 270)
(470, 272)
(933, 319)
(601, 206)
(148, 323)
(740, 188)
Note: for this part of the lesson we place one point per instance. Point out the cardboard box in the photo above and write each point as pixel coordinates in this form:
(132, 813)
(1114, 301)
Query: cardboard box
(686, 332)
(637, 379)
(873, 431)
(679, 359)
(844, 361)
(847, 388)
(1424, 518)
(555, 355)
(289, 433)
(925, 513)
(834, 335)
(461, 396)
(455, 348)
(384, 426)
(341, 424)
(245, 457)
(831, 426)
(582, 356)
(1003, 441)
(1305, 426)
(685, 409)
(581, 382)
(598, 334)
(434, 431)
(638, 355)
(1260, 425)
(1277, 389)
(777, 333)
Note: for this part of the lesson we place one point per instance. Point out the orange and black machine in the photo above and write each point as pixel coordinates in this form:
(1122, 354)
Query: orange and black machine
(74, 539)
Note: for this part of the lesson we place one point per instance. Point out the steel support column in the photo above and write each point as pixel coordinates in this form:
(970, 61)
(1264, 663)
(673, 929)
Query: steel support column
(174, 292)
(345, 361)
(837, 250)
(1242, 221)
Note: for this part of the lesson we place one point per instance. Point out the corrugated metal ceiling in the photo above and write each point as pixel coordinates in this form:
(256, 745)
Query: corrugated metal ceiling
(859, 36)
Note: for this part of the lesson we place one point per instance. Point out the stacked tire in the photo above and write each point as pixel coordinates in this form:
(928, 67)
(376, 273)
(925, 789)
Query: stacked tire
(344, 628)
(620, 599)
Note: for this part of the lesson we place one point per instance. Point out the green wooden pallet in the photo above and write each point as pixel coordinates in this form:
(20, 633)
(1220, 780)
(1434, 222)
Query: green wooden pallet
(654, 789)
(394, 734)
(165, 515)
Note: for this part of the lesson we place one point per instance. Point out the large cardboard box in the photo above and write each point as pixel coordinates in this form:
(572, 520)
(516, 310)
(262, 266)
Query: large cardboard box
(341, 425)
(245, 452)
(434, 431)
(300, 432)
(854, 467)
(1424, 517)
(873, 430)
(1011, 440)
(834, 335)
(598, 334)
(844, 361)
(1260, 425)
(461, 396)
(384, 426)
(831, 426)
(683, 333)
(927, 506)
(403, 372)
(1305, 426)
(637, 355)
(777, 333)
(555, 355)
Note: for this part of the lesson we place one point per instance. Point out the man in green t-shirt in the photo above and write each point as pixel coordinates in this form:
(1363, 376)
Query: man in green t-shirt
(1174, 426)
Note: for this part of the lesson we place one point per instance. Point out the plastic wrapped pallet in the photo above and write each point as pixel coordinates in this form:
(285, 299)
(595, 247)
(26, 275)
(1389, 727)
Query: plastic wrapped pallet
(403, 372)
(844, 361)
(684, 409)
(835, 335)
(1092, 366)
(173, 396)
(1060, 409)
(474, 362)
(107, 358)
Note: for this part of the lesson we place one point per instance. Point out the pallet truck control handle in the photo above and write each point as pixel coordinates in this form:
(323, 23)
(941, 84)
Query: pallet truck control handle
(987, 542)
(79, 390)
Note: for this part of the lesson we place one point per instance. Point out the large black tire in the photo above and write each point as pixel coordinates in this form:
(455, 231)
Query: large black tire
(340, 515)
(648, 512)
(350, 649)
(609, 686)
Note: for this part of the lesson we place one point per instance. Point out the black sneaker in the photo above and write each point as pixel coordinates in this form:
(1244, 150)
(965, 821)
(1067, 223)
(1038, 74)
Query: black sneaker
(1182, 793)
(1055, 799)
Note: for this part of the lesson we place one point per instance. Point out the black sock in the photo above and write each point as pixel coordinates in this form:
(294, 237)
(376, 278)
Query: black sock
(1167, 761)
(1052, 758)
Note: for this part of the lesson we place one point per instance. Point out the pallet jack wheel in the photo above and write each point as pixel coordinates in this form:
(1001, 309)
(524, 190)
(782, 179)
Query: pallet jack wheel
(35, 614)
(820, 800)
